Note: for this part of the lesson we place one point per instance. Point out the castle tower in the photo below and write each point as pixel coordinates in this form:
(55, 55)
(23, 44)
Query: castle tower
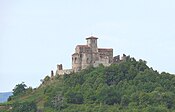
(92, 43)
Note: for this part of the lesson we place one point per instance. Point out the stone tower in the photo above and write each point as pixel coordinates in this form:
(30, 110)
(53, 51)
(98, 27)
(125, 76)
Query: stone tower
(92, 43)
(93, 56)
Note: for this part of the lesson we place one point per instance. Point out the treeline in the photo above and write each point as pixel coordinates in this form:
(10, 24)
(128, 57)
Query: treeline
(125, 87)
(128, 86)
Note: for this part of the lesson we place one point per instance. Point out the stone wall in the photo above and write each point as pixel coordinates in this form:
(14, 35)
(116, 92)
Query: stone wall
(105, 55)
(65, 71)
(86, 60)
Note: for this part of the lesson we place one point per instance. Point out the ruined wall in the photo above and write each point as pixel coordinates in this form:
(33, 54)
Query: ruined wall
(60, 70)
(65, 71)
(116, 59)
(105, 55)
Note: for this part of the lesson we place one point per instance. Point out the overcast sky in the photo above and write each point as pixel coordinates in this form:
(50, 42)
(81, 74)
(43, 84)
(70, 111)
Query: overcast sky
(36, 35)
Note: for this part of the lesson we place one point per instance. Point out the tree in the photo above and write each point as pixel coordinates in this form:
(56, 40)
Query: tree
(19, 89)
(24, 107)
(74, 97)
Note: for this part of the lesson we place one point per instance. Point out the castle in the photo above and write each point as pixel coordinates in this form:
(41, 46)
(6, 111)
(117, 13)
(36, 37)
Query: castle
(90, 55)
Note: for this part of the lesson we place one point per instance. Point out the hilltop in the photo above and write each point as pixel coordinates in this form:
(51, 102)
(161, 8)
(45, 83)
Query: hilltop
(126, 86)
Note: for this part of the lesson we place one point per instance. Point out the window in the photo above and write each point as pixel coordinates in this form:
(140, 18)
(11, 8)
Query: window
(75, 60)
(80, 55)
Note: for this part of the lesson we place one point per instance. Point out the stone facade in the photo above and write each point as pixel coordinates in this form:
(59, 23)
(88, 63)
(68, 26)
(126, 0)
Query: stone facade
(90, 55)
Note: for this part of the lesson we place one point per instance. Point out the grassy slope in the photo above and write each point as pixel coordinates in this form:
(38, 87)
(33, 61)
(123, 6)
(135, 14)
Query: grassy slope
(38, 95)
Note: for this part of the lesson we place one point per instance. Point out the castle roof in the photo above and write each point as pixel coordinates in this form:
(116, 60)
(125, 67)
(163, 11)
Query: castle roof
(86, 46)
(91, 37)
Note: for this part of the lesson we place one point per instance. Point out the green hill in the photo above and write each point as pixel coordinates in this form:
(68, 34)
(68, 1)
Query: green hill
(129, 86)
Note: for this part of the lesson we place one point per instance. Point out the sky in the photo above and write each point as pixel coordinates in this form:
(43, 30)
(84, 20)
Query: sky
(36, 35)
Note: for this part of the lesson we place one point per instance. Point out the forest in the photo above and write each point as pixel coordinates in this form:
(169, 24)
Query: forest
(129, 86)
